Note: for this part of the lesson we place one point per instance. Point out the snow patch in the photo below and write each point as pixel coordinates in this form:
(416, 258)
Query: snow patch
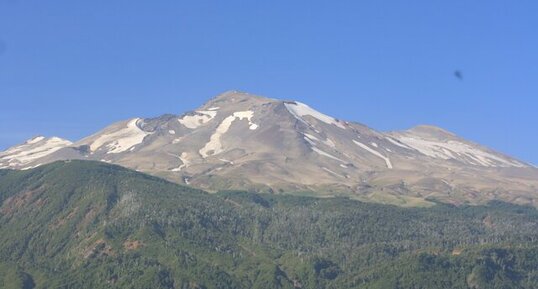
(121, 140)
(177, 140)
(214, 145)
(326, 154)
(30, 167)
(298, 110)
(248, 115)
(396, 143)
(374, 152)
(329, 142)
(35, 140)
(197, 119)
(227, 161)
(312, 139)
(459, 151)
(31, 150)
(185, 162)
(332, 172)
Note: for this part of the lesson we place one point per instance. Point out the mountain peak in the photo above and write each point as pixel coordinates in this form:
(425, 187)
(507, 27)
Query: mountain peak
(234, 96)
(20, 156)
(431, 131)
(35, 139)
(239, 140)
(44, 139)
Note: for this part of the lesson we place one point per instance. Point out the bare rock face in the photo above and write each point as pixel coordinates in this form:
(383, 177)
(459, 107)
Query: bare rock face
(242, 141)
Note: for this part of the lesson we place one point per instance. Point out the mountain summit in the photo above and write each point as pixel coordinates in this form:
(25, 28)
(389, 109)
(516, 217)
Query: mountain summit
(243, 141)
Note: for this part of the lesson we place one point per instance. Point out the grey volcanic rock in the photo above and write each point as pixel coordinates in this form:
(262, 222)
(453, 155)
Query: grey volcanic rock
(242, 141)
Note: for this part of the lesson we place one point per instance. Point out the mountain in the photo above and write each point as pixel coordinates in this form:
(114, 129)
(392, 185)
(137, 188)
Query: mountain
(87, 224)
(243, 141)
(31, 151)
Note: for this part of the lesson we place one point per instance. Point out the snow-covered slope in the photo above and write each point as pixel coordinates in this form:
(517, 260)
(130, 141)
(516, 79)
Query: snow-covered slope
(436, 143)
(20, 156)
(119, 140)
(242, 141)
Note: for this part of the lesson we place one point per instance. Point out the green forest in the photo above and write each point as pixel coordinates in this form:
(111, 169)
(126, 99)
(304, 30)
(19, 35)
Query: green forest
(81, 224)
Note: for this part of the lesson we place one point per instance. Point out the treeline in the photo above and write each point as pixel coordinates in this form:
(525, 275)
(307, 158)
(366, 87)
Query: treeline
(93, 225)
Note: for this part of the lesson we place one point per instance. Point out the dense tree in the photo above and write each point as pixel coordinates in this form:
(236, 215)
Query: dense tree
(92, 225)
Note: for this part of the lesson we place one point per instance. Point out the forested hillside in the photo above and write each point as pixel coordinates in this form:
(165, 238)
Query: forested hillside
(86, 224)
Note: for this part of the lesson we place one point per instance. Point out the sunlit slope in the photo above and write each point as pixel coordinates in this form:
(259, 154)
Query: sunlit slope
(86, 224)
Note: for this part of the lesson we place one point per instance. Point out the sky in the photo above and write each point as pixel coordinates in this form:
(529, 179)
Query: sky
(69, 68)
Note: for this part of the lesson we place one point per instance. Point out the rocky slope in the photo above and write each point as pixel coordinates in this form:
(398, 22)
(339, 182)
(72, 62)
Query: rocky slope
(242, 141)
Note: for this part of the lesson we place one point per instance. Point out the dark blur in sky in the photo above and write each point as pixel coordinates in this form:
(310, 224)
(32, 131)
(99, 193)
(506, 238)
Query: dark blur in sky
(69, 68)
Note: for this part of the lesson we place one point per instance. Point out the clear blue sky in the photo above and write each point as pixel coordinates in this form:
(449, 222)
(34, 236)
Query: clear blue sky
(68, 68)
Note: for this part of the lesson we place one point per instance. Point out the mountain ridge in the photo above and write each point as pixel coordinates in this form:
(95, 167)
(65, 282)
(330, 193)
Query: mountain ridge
(238, 140)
